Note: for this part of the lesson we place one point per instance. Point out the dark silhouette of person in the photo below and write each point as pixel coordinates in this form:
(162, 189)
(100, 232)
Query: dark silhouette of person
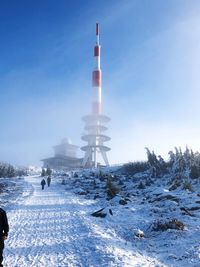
(43, 184)
(4, 229)
(49, 180)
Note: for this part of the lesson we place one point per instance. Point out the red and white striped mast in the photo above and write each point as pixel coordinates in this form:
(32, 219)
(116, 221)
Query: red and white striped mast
(95, 121)
(96, 76)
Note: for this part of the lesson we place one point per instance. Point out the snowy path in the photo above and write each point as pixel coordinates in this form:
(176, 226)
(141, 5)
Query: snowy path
(53, 228)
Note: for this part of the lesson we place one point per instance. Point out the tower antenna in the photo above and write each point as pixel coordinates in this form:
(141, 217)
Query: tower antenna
(95, 122)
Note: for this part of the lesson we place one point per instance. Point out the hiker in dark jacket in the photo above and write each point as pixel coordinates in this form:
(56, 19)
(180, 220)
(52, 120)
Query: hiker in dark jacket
(43, 184)
(4, 228)
(48, 180)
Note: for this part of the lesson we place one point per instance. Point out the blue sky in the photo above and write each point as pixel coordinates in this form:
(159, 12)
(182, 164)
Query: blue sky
(150, 62)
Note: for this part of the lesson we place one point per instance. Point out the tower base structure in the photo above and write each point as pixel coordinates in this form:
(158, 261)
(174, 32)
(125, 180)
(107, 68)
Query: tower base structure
(94, 125)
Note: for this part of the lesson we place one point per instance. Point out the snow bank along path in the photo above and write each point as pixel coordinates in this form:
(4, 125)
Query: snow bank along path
(53, 228)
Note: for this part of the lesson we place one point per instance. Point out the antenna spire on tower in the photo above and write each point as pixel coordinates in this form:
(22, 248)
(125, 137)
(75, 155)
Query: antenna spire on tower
(97, 33)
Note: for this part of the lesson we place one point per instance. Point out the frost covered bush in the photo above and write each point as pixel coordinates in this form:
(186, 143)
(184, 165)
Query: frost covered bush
(136, 167)
(188, 186)
(195, 172)
(181, 166)
(141, 185)
(171, 224)
(112, 189)
(175, 184)
(157, 164)
(7, 170)
(148, 182)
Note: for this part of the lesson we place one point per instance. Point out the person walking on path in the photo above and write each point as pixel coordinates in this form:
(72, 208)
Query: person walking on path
(49, 180)
(4, 228)
(43, 184)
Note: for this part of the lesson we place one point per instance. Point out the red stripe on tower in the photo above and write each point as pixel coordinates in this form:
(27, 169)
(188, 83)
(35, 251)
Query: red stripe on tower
(97, 28)
(96, 51)
(96, 78)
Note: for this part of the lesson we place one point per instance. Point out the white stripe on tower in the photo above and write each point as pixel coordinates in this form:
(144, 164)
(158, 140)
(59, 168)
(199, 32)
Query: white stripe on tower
(96, 76)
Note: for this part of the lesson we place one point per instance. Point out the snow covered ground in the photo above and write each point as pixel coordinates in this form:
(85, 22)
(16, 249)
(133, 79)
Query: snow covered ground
(54, 227)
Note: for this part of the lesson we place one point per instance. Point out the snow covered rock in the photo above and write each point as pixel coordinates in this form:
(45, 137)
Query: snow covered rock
(139, 233)
(102, 212)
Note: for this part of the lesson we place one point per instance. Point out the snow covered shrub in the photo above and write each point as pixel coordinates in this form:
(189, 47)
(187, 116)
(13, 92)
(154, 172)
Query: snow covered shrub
(141, 185)
(102, 177)
(181, 166)
(136, 167)
(184, 164)
(176, 183)
(21, 172)
(157, 164)
(195, 172)
(188, 186)
(112, 189)
(63, 181)
(164, 226)
(75, 175)
(148, 182)
(7, 170)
